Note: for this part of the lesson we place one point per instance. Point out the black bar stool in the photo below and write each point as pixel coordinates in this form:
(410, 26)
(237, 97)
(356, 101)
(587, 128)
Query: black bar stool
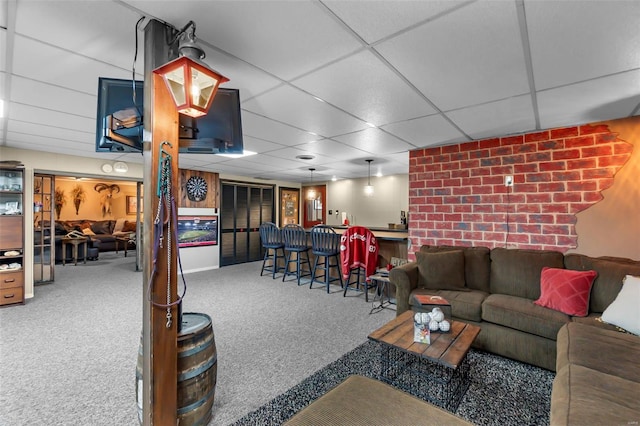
(325, 243)
(274, 248)
(295, 241)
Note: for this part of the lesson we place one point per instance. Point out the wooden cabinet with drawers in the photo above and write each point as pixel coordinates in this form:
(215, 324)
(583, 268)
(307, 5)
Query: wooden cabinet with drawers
(11, 236)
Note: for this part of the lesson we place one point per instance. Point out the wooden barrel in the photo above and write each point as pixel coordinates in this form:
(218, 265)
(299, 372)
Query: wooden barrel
(197, 371)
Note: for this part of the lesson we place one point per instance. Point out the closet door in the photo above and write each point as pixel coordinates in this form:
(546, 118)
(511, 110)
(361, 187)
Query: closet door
(243, 208)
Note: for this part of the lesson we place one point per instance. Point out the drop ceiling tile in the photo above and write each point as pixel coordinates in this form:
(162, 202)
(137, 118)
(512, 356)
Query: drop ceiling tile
(333, 149)
(362, 85)
(96, 29)
(426, 131)
(296, 108)
(594, 100)
(290, 154)
(374, 141)
(258, 145)
(45, 141)
(513, 115)
(375, 20)
(467, 57)
(3, 48)
(59, 133)
(53, 98)
(33, 114)
(576, 41)
(267, 129)
(58, 67)
(282, 37)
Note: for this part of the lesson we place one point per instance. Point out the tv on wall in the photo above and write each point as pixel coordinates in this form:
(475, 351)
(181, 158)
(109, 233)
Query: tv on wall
(119, 122)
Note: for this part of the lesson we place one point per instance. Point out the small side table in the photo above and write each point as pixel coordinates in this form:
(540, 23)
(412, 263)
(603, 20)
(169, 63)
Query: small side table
(125, 240)
(75, 242)
(383, 283)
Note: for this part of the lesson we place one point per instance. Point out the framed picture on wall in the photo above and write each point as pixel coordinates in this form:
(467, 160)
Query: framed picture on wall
(195, 231)
(132, 205)
(289, 206)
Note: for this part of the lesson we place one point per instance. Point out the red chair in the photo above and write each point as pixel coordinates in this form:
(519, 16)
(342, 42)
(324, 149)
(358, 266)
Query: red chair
(359, 255)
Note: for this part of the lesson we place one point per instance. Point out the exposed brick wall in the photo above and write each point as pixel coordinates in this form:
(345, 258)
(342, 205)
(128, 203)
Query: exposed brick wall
(457, 194)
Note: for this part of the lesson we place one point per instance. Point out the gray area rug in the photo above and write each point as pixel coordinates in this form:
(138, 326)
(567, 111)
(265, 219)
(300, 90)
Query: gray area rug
(502, 391)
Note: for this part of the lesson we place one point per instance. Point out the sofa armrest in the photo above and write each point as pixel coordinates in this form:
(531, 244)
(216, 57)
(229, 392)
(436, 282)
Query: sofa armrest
(405, 280)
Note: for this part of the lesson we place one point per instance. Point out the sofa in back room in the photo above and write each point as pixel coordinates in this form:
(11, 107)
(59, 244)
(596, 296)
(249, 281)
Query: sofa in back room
(548, 309)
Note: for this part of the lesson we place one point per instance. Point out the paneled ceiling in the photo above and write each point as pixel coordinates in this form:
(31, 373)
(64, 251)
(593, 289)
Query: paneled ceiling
(343, 81)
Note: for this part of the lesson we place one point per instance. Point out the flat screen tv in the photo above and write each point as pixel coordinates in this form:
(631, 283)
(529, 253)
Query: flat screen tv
(119, 123)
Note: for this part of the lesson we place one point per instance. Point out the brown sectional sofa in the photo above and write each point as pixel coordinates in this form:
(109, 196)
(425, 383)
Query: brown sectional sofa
(597, 369)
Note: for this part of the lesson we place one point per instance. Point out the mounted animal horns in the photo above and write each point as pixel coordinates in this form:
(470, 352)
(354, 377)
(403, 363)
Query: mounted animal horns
(103, 186)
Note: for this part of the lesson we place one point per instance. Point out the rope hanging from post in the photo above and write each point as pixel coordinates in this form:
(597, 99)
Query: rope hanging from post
(166, 217)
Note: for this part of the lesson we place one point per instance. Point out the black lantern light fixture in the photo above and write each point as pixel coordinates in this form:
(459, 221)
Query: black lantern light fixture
(368, 189)
(192, 84)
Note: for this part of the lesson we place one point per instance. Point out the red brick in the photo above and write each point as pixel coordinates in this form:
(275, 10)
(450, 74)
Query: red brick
(567, 197)
(526, 187)
(489, 143)
(598, 173)
(591, 197)
(604, 184)
(462, 190)
(492, 161)
(454, 235)
(551, 145)
(578, 207)
(566, 154)
(459, 156)
(472, 181)
(433, 167)
(480, 153)
(416, 153)
(566, 176)
(490, 198)
(472, 235)
(434, 200)
(622, 148)
(492, 180)
(538, 156)
(501, 150)
(567, 241)
(535, 137)
(436, 217)
(442, 191)
(502, 170)
(426, 208)
(555, 208)
(529, 229)
(443, 158)
(519, 238)
(579, 142)
(459, 173)
(563, 132)
(582, 186)
(451, 200)
(525, 168)
(512, 140)
(434, 183)
(494, 236)
(442, 175)
(477, 190)
(588, 129)
(525, 148)
(528, 208)
(432, 233)
(542, 197)
(432, 151)
(480, 171)
(443, 208)
(538, 177)
(543, 239)
(597, 151)
(555, 229)
(568, 218)
(470, 164)
(616, 160)
(513, 159)
(448, 149)
(551, 187)
(451, 182)
(588, 163)
(462, 208)
(470, 199)
(606, 138)
(472, 217)
(541, 218)
(453, 165)
(479, 208)
(444, 225)
(453, 217)
(517, 198)
(470, 146)
(552, 166)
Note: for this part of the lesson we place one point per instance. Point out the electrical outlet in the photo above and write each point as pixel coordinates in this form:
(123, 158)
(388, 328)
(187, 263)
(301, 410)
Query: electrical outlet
(508, 180)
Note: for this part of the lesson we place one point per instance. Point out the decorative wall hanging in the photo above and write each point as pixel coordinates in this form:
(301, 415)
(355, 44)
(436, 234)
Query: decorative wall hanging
(78, 195)
(106, 192)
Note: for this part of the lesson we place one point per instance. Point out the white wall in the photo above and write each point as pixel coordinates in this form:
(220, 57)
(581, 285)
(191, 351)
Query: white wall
(391, 195)
(196, 259)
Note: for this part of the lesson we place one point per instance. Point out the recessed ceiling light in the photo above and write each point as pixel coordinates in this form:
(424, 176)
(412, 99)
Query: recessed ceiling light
(305, 157)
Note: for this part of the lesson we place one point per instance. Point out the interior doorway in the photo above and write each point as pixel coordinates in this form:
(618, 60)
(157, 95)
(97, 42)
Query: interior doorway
(315, 199)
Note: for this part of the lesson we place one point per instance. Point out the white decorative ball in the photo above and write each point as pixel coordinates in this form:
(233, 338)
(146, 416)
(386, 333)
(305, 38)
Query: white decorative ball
(444, 326)
(437, 315)
(417, 318)
(433, 325)
(436, 309)
(426, 318)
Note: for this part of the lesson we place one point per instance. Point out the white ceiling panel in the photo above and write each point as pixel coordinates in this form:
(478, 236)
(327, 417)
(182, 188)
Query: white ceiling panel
(291, 153)
(45, 117)
(480, 61)
(425, 131)
(58, 67)
(98, 29)
(503, 117)
(374, 141)
(301, 110)
(375, 20)
(264, 128)
(61, 133)
(282, 37)
(259, 145)
(366, 88)
(595, 100)
(331, 148)
(54, 98)
(570, 43)
(3, 48)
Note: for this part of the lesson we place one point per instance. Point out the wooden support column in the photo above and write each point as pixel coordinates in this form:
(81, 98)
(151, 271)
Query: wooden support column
(159, 393)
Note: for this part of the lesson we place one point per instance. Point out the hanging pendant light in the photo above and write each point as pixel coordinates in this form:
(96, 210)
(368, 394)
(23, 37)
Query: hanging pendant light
(311, 192)
(192, 84)
(368, 189)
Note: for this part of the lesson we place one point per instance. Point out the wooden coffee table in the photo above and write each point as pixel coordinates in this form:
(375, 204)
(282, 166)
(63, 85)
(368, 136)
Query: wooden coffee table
(437, 372)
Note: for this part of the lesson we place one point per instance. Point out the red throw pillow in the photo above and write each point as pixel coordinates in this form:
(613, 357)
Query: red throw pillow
(129, 226)
(566, 290)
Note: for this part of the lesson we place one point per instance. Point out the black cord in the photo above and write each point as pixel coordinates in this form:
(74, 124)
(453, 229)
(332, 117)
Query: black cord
(133, 68)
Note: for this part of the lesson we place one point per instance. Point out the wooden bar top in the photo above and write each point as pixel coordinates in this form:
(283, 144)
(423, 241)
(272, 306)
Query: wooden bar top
(448, 349)
(380, 233)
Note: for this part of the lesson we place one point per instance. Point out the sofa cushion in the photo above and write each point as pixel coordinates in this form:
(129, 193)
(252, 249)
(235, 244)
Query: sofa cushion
(440, 271)
(522, 314)
(102, 226)
(611, 271)
(128, 227)
(516, 272)
(624, 311)
(477, 264)
(583, 396)
(611, 352)
(566, 290)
